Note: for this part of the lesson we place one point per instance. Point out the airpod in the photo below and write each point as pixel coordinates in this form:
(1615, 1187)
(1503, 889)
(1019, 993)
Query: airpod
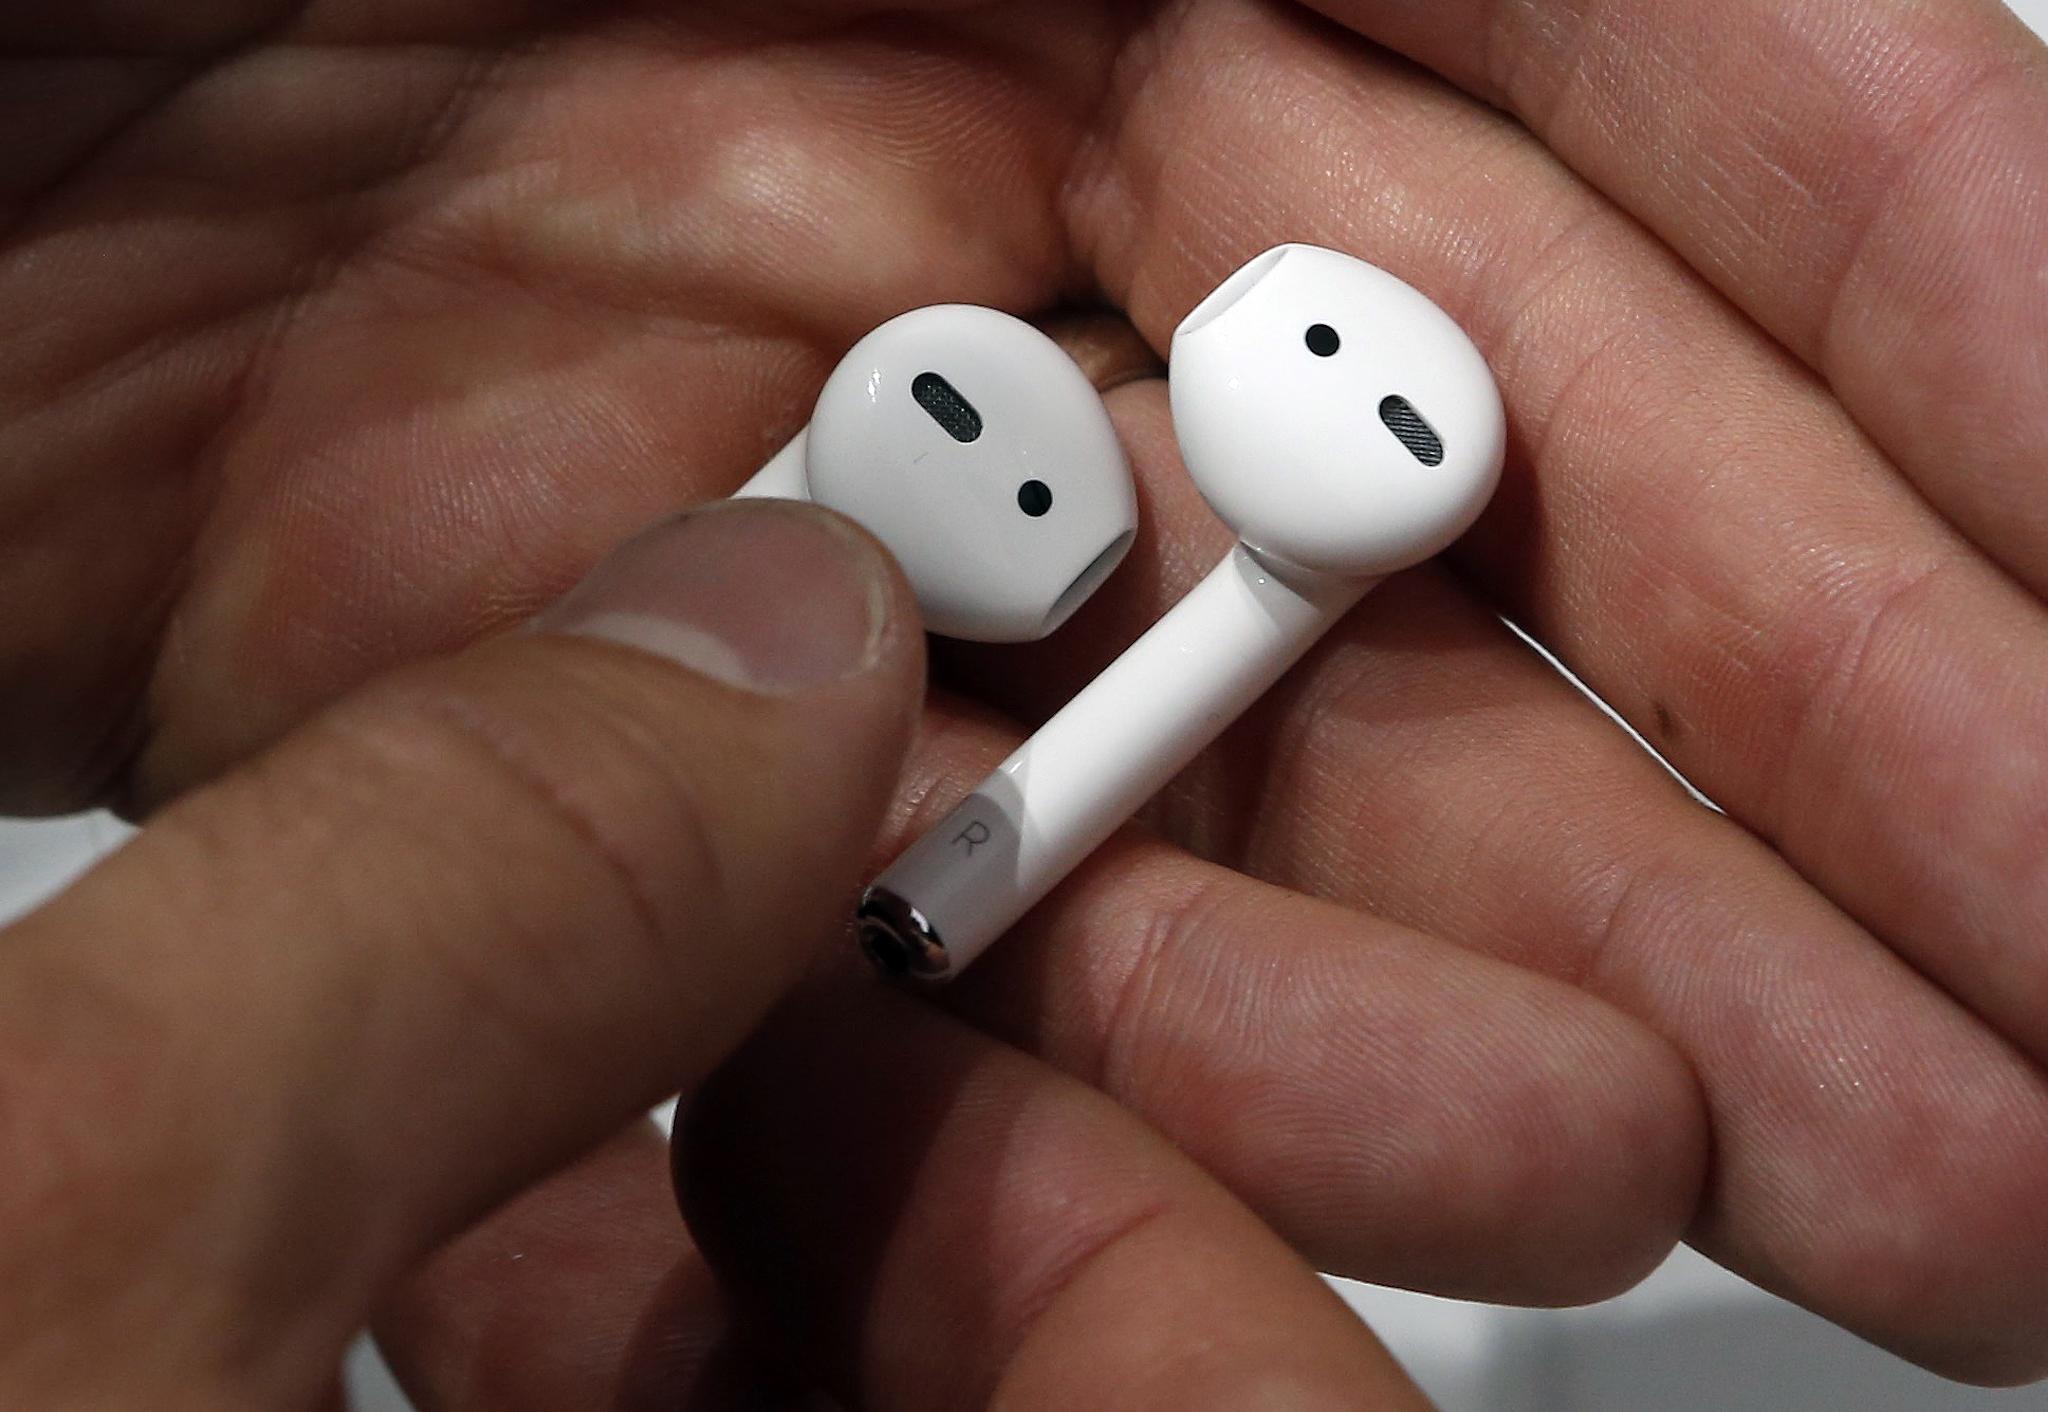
(1346, 429)
(979, 453)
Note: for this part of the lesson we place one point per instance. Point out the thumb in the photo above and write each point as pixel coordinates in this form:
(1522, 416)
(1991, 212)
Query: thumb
(443, 938)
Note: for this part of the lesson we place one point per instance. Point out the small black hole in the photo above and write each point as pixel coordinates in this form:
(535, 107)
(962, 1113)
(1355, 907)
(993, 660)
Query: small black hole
(1323, 341)
(1034, 498)
(890, 953)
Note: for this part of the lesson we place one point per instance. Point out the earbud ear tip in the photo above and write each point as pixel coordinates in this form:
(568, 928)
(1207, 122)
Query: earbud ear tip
(972, 446)
(1333, 416)
(1228, 293)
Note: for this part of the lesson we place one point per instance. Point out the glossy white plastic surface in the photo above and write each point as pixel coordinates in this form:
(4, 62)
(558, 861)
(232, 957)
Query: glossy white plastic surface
(783, 478)
(1092, 766)
(1290, 447)
(958, 514)
(1279, 381)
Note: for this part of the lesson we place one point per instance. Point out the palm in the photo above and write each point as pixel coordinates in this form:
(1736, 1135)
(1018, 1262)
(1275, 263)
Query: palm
(347, 353)
(364, 390)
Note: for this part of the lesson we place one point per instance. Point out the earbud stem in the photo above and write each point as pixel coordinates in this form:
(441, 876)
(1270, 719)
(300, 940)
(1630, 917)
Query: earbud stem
(1092, 766)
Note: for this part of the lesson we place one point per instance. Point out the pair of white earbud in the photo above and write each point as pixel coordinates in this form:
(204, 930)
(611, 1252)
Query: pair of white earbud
(1331, 415)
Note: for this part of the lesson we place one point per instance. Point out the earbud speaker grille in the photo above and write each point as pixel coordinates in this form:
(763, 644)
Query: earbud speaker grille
(944, 404)
(1414, 433)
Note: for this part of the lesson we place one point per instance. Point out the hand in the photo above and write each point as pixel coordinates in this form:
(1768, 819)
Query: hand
(363, 340)
(329, 1010)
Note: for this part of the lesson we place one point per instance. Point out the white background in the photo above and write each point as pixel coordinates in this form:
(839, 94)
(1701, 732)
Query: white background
(1693, 1339)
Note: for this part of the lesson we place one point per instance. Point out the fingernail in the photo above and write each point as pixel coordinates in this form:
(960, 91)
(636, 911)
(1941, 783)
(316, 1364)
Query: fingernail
(767, 596)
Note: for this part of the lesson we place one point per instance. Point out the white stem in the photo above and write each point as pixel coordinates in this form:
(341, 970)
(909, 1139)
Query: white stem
(1092, 766)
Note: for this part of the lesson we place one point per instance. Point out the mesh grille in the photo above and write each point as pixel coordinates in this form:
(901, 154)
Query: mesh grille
(1417, 435)
(942, 401)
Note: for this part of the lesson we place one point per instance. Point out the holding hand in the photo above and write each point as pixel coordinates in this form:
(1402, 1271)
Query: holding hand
(345, 336)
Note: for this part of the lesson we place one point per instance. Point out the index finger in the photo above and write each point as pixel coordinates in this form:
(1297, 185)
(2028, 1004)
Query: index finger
(1868, 181)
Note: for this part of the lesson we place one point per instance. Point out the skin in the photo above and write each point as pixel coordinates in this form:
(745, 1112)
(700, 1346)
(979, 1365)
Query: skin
(345, 336)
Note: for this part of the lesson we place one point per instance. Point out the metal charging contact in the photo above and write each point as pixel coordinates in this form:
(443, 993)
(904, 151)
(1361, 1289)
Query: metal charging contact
(899, 940)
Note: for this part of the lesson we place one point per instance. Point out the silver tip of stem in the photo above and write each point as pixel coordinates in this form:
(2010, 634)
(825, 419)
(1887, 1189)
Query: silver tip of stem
(899, 940)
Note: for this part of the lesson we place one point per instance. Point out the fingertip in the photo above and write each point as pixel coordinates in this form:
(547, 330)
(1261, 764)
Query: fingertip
(1615, 1183)
(773, 597)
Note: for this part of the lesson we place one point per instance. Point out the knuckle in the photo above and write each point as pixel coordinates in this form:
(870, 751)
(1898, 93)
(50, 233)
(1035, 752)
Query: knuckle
(1840, 666)
(1174, 949)
(1531, 55)
(1910, 143)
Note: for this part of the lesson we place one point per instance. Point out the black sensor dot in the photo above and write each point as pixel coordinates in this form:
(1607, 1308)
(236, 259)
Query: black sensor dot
(1323, 341)
(1035, 499)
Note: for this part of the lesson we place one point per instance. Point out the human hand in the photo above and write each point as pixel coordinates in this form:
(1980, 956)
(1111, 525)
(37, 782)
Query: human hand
(347, 353)
(329, 1010)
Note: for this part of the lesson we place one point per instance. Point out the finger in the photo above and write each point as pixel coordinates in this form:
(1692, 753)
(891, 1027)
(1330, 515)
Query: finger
(1426, 767)
(442, 940)
(1868, 181)
(1878, 1153)
(1790, 625)
(582, 1292)
(938, 1222)
(1398, 1109)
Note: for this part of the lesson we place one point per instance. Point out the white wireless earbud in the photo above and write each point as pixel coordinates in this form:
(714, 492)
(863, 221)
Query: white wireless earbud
(979, 453)
(1347, 429)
